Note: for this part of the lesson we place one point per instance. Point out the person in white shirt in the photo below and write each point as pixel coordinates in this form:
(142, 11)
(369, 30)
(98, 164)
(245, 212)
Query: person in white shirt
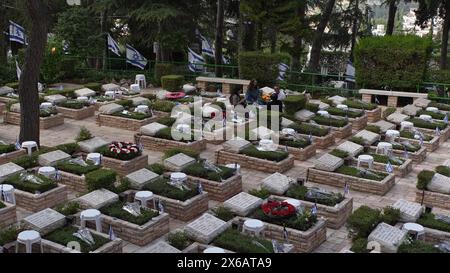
(277, 98)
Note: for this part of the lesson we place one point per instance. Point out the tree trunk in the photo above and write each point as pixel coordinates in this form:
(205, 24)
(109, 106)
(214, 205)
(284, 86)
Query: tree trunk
(37, 12)
(391, 17)
(318, 36)
(355, 28)
(259, 36)
(104, 28)
(219, 38)
(273, 40)
(297, 49)
(3, 39)
(445, 30)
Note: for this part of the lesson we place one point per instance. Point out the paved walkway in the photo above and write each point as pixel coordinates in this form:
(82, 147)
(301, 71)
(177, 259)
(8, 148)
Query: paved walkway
(337, 240)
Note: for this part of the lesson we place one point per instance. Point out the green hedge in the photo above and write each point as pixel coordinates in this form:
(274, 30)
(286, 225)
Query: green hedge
(428, 125)
(31, 187)
(69, 208)
(236, 241)
(373, 128)
(162, 70)
(276, 156)
(163, 188)
(444, 170)
(410, 135)
(162, 105)
(333, 122)
(116, 210)
(168, 121)
(339, 112)
(156, 168)
(8, 235)
(359, 104)
(260, 66)
(223, 213)
(417, 247)
(339, 153)
(76, 169)
(352, 171)
(69, 148)
(440, 106)
(423, 178)
(306, 129)
(358, 140)
(132, 115)
(7, 148)
(64, 235)
(295, 103)
(198, 170)
(74, 104)
(362, 221)
(389, 111)
(432, 114)
(399, 62)
(360, 246)
(172, 83)
(297, 191)
(100, 179)
(261, 193)
(179, 240)
(429, 220)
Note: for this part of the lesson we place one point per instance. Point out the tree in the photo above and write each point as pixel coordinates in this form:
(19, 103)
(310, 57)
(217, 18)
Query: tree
(392, 4)
(38, 12)
(318, 36)
(428, 9)
(219, 37)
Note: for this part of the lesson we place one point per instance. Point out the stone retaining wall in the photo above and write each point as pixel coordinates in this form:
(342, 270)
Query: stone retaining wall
(303, 241)
(76, 114)
(401, 171)
(162, 145)
(435, 236)
(7, 215)
(373, 115)
(303, 154)
(445, 134)
(73, 182)
(223, 157)
(430, 145)
(433, 199)
(5, 158)
(219, 191)
(123, 123)
(416, 157)
(187, 210)
(37, 202)
(124, 168)
(355, 183)
(44, 123)
(323, 142)
(359, 123)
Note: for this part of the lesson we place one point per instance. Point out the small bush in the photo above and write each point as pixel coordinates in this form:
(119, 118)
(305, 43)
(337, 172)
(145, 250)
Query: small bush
(238, 242)
(352, 171)
(306, 129)
(432, 114)
(385, 159)
(330, 121)
(8, 235)
(410, 135)
(132, 115)
(260, 66)
(172, 83)
(70, 93)
(297, 191)
(297, 143)
(444, 170)
(163, 188)
(156, 168)
(101, 179)
(339, 112)
(312, 107)
(13, 85)
(358, 140)
(168, 121)
(84, 134)
(7, 148)
(115, 210)
(358, 104)
(440, 106)
(76, 169)
(64, 235)
(2, 205)
(69, 208)
(429, 220)
(223, 213)
(294, 103)
(389, 111)
(276, 156)
(74, 104)
(339, 153)
(417, 247)
(31, 187)
(362, 221)
(69, 148)
(198, 170)
(174, 151)
(162, 105)
(390, 216)
(373, 128)
(127, 104)
(423, 178)
(179, 240)
(162, 69)
(428, 125)
(360, 246)
(261, 193)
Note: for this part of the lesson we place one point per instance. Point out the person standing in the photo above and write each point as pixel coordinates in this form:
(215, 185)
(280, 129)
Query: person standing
(277, 98)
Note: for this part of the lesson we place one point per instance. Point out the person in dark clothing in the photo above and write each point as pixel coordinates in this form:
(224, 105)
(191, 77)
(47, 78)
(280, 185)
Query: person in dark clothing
(235, 97)
(277, 98)
(253, 93)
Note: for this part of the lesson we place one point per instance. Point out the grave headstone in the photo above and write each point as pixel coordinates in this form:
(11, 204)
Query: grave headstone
(351, 148)
(4, 90)
(97, 199)
(140, 101)
(178, 162)
(286, 122)
(304, 115)
(368, 136)
(389, 237)
(440, 183)
(110, 87)
(328, 162)
(52, 158)
(152, 128)
(277, 183)
(110, 108)
(9, 169)
(45, 221)
(55, 99)
(322, 105)
(236, 145)
(140, 178)
(422, 102)
(205, 228)
(409, 211)
(262, 132)
(85, 92)
(91, 145)
(411, 110)
(243, 203)
(397, 118)
(384, 125)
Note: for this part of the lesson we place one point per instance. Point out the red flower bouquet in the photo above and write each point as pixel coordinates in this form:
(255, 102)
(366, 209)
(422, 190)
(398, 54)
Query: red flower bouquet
(122, 150)
(277, 209)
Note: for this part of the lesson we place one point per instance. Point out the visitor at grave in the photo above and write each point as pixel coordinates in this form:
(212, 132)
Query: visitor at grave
(235, 97)
(253, 93)
(277, 98)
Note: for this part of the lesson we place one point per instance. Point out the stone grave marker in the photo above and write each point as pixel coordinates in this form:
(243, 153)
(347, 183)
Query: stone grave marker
(277, 183)
(397, 118)
(304, 115)
(205, 228)
(389, 237)
(351, 148)
(440, 183)
(422, 102)
(235, 145)
(52, 158)
(384, 125)
(140, 178)
(85, 92)
(45, 221)
(411, 110)
(368, 136)
(9, 169)
(152, 128)
(91, 145)
(159, 247)
(243, 203)
(178, 162)
(110, 108)
(328, 162)
(98, 199)
(409, 211)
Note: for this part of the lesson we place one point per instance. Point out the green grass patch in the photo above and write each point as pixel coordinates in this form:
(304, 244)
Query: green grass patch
(339, 123)
(302, 222)
(115, 210)
(198, 170)
(179, 240)
(64, 235)
(276, 156)
(306, 129)
(132, 115)
(358, 104)
(7, 148)
(352, 171)
(26, 185)
(238, 242)
(429, 220)
(428, 125)
(417, 247)
(163, 188)
(66, 166)
(297, 191)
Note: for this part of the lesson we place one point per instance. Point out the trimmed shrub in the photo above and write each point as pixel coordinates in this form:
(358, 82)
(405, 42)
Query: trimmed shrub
(385, 159)
(428, 125)
(162, 70)
(64, 235)
(360, 246)
(390, 216)
(339, 123)
(69, 208)
(362, 221)
(74, 104)
(417, 247)
(276, 156)
(132, 115)
(198, 170)
(115, 210)
(101, 179)
(179, 240)
(156, 168)
(162, 105)
(260, 66)
(359, 104)
(432, 114)
(223, 213)
(163, 188)
(69, 148)
(29, 186)
(188, 152)
(410, 135)
(261, 193)
(97, 87)
(84, 134)
(429, 220)
(339, 153)
(76, 169)
(312, 107)
(168, 121)
(7, 148)
(234, 240)
(2, 205)
(297, 191)
(172, 83)
(294, 103)
(373, 128)
(423, 178)
(440, 106)
(127, 104)
(444, 170)
(389, 111)
(352, 171)
(297, 143)
(306, 129)
(402, 67)
(8, 235)
(339, 112)
(358, 140)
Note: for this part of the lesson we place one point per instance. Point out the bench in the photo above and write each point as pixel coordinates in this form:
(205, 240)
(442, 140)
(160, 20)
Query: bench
(226, 83)
(392, 95)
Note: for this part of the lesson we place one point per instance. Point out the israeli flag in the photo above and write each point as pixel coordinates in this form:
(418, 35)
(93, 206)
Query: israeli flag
(314, 209)
(160, 207)
(346, 189)
(112, 235)
(200, 188)
(438, 131)
(17, 33)
(206, 47)
(113, 45)
(350, 72)
(310, 137)
(389, 167)
(226, 60)
(17, 144)
(405, 152)
(421, 140)
(376, 100)
(283, 68)
(446, 119)
(18, 71)
(135, 58)
(285, 233)
(196, 61)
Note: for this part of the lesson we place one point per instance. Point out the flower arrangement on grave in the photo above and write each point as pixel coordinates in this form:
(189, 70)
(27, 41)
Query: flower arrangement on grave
(276, 209)
(266, 97)
(122, 150)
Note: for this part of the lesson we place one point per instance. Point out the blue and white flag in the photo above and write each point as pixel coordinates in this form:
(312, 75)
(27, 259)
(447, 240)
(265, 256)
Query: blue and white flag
(160, 207)
(135, 58)
(346, 189)
(18, 71)
(314, 209)
(200, 188)
(446, 118)
(17, 144)
(438, 131)
(389, 167)
(17, 33)
(112, 235)
(283, 68)
(310, 137)
(376, 100)
(405, 152)
(207, 49)
(196, 61)
(285, 233)
(420, 140)
(350, 72)
(113, 45)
